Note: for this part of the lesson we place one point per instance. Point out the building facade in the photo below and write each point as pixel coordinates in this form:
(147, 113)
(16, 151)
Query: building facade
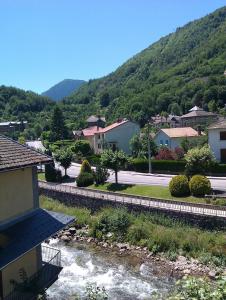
(26, 267)
(172, 137)
(217, 140)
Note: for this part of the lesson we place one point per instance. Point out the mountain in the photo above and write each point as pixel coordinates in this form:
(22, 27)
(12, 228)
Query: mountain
(63, 89)
(180, 70)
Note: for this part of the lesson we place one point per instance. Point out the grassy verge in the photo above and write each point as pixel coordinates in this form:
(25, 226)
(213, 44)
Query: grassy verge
(145, 190)
(155, 231)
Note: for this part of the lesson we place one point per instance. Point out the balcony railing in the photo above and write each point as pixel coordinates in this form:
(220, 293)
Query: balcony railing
(40, 281)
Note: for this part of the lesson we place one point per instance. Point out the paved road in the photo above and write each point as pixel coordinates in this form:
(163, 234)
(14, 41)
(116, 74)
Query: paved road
(147, 179)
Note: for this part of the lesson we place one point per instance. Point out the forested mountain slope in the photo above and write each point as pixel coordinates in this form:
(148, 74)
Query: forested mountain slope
(180, 70)
(63, 89)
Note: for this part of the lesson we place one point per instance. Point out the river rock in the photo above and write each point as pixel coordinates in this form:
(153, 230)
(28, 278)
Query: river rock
(72, 230)
(65, 238)
(212, 274)
(186, 272)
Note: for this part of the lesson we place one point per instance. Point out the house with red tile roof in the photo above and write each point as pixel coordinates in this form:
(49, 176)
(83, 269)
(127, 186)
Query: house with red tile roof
(114, 136)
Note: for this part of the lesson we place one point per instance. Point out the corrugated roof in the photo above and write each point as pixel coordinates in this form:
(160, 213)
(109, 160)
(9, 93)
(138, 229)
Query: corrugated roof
(31, 232)
(14, 155)
(180, 132)
(218, 125)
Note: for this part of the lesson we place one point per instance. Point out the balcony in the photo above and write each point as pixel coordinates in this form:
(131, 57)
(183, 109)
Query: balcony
(35, 285)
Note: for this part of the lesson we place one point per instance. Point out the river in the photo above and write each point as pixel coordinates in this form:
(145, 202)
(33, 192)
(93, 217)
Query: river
(123, 277)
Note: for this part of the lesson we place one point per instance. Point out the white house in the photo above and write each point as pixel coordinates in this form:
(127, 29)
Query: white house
(217, 140)
(115, 136)
(172, 137)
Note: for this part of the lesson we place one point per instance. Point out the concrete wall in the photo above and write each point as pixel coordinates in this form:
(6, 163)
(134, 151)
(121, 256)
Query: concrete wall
(28, 262)
(215, 143)
(17, 193)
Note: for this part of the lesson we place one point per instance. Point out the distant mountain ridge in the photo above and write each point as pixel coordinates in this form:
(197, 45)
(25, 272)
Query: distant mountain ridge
(63, 89)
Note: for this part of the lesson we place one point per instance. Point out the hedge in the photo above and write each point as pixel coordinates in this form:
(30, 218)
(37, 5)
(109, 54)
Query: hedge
(141, 165)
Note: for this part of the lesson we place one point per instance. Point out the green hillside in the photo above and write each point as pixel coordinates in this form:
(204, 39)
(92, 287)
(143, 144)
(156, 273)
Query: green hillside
(180, 70)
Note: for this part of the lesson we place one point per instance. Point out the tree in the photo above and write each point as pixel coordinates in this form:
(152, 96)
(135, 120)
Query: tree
(85, 167)
(82, 147)
(199, 160)
(58, 127)
(64, 157)
(115, 160)
(101, 175)
(139, 145)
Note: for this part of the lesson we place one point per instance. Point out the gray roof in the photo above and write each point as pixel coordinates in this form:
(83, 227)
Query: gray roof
(29, 233)
(218, 125)
(95, 119)
(14, 155)
(198, 113)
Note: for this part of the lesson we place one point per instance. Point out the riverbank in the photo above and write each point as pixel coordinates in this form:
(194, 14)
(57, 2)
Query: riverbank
(184, 249)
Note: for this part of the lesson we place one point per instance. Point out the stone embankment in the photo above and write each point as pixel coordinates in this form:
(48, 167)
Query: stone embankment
(180, 267)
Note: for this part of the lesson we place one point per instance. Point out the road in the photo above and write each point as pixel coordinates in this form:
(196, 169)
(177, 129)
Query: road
(218, 183)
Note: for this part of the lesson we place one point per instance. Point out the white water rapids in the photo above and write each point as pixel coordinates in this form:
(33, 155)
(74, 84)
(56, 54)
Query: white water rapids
(123, 280)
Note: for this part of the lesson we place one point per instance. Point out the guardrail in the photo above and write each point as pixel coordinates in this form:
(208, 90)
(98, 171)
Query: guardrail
(174, 205)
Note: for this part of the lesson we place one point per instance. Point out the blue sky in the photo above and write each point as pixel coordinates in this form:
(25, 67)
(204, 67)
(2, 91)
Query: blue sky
(46, 41)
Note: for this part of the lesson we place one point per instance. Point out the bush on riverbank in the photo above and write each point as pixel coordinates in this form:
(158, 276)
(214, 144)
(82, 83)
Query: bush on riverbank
(155, 231)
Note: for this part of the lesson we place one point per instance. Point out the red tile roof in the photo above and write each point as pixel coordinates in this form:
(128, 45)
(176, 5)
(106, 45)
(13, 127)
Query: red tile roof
(90, 131)
(112, 126)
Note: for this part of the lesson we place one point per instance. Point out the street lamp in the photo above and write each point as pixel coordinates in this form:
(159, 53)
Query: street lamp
(149, 150)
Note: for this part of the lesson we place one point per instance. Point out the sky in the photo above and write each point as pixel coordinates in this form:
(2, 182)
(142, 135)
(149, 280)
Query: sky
(46, 41)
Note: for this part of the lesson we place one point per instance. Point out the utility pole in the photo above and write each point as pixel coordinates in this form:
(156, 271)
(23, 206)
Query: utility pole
(149, 150)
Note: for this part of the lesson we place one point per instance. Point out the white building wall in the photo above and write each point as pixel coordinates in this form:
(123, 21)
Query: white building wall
(215, 143)
(121, 135)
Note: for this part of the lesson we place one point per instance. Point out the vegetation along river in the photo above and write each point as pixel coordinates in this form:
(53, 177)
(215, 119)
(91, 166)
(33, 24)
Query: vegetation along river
(123, 277)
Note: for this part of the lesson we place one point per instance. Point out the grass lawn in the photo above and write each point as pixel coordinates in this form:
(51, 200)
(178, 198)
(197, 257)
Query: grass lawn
(145, 190)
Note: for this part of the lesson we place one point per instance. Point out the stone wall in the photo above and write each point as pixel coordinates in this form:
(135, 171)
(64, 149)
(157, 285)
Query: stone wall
(94, 204)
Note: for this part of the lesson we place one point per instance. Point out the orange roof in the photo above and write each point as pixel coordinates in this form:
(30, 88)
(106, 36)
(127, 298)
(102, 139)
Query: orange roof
(180, 132)
(90, 131)
(112, 126)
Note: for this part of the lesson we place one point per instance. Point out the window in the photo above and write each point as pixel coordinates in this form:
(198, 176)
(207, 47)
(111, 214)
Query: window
(161, 142)
(223, 135)
(167, 143)
(99, 146)
(223, 155)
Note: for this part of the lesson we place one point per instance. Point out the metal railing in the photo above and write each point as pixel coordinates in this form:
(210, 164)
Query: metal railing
(31, 287)
(165, 204)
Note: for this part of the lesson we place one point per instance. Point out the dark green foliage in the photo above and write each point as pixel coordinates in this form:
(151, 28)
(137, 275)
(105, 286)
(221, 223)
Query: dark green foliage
(139, 145)
(82, 147)
(179, 186)
(101, 175)
(93, 159)
(180, 70)
(85, 167)
(200, 185)
(113, 220)
(64, 157)
(58, 128)
(85, 179)
(51, 174)
(141, 165)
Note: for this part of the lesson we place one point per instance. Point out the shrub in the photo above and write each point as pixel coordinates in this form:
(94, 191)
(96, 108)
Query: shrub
(179, 186)
(199, 160)
(165, 154)
(139, 231)
(112, 220)
(85, 168)
(85, 179)
(101, 175)
(141, 165)
(51, 174)
(199, 185)
(94, 159)
(82, 147)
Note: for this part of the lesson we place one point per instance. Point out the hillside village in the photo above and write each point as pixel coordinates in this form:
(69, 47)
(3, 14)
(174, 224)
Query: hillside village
(116, 190)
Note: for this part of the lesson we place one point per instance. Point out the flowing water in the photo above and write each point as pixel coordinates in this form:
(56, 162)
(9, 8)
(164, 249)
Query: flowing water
(122, 277)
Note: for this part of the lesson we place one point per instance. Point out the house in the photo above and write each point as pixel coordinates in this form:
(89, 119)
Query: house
(217, 140)
(11, 126)
(96, 121)
(170, 121)
(116, 136)
(27, 268)
(172, 137)
(198, 116)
